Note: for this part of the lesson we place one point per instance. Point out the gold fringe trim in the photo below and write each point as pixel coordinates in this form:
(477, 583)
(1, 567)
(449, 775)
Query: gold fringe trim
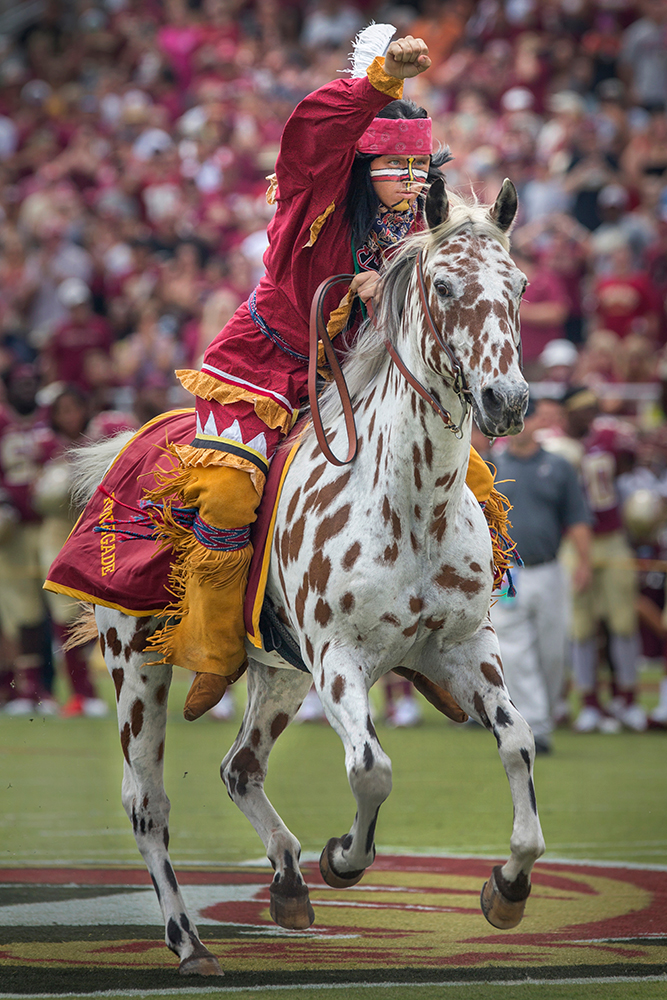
(191, 559)
(337, 323)
(272, 190)
(316, 227)
(382, 81)
(207, 387)
(496, 509)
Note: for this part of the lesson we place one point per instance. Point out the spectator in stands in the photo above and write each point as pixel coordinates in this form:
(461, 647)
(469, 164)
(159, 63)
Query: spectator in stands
(69, 355)
(623, 299)
(544, 307)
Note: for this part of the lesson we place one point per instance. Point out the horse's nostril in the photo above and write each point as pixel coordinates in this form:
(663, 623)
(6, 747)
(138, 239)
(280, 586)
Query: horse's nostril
(493, 401)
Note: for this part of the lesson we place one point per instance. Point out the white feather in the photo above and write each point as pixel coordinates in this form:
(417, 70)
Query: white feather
(373, 41)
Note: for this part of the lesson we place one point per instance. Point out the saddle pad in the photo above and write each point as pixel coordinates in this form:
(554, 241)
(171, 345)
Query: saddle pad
(110, 567)
(261, 536)
(124, 568)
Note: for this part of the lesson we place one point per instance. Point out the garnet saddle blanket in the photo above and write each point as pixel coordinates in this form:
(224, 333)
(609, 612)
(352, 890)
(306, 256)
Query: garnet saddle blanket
(112, 556)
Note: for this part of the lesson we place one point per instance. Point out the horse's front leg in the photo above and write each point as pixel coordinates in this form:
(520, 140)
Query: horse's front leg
(141, 696)
(473, 673)
(341, 682)
(274, 698)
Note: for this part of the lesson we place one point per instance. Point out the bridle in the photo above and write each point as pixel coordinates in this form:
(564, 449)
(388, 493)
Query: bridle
(318, 332)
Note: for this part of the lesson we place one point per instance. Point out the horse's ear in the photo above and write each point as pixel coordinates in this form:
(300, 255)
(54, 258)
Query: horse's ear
(505, 208)
(437, 204)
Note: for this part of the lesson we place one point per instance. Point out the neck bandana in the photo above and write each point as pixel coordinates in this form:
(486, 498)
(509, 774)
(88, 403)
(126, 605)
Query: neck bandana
(389, 227)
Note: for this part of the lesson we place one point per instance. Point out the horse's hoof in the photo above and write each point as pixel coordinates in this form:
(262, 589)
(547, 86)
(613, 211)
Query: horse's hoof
(330, 875)
(202, 963)
(291, 911)
(499, 909)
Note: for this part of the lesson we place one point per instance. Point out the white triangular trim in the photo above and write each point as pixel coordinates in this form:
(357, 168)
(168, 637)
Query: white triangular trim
(259, 444)
(232, 433)
(210, 426)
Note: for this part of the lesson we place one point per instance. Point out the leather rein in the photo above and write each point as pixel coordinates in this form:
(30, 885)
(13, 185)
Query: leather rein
(318, 332)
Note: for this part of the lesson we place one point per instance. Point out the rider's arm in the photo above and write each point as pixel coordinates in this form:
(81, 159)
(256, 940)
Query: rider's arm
(322, 132)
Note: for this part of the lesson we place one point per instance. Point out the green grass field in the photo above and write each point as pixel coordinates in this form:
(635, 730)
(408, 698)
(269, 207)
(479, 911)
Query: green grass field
(601, 798)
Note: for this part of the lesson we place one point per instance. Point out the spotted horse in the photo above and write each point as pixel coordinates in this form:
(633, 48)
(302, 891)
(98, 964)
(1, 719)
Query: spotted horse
(383, 564)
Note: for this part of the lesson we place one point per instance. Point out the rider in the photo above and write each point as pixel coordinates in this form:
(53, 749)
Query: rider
(354, 163)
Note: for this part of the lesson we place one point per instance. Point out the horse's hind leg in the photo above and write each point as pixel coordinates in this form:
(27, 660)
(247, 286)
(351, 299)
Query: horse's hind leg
(342, 689)
(474, 677)
(274, 697)
(141, 695)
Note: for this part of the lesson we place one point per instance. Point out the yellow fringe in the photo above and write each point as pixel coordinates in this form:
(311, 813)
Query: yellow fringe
(190, 557)
(316, 227)
(206, 387)
(272, 190)
(496, 509)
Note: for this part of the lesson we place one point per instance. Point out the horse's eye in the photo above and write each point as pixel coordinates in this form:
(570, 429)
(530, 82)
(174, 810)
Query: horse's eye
(443, 289)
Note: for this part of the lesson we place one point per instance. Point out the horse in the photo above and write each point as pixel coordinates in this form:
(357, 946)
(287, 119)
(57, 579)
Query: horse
(384, 563)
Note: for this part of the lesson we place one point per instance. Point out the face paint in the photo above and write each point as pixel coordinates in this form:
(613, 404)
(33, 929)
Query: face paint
(411, 176)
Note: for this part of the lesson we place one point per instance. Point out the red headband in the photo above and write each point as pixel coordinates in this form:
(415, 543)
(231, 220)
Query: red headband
(397, 135)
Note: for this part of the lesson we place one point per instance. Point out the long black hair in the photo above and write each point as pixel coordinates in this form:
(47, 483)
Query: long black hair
(362, 202)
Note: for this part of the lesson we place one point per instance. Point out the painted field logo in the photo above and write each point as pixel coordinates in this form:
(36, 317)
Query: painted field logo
(407, 913)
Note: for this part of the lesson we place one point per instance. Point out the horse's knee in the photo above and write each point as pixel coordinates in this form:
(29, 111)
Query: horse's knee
(241, 768)
(370, 776)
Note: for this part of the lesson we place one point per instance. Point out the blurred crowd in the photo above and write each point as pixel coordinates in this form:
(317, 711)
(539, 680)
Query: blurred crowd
(136, 140)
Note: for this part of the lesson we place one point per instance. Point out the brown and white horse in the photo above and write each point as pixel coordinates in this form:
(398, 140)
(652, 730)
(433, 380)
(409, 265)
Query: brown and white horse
(384, 564)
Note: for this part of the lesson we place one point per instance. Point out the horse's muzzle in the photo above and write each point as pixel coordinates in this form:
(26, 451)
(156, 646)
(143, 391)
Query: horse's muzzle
(501, 409)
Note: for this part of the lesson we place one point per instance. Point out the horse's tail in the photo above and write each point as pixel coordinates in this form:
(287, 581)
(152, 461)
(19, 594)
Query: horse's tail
(83, 629)
(89, 464)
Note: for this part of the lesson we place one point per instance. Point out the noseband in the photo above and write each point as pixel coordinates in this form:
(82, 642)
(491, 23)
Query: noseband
(318, 332)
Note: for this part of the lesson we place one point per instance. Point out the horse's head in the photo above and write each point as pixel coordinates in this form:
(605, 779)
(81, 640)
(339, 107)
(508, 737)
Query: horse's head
(472, 290)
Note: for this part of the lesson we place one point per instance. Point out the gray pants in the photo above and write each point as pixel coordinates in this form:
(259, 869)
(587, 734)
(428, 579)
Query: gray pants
(532, 632)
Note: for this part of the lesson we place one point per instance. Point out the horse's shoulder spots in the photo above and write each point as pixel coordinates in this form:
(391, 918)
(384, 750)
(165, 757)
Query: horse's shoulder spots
(347, 602)
(323, 612)
(327, 494)
(309, 650)
(390, 554)
(332, 525)
(300, 600)
(390, 619)
(292, 505)
(314, 476)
